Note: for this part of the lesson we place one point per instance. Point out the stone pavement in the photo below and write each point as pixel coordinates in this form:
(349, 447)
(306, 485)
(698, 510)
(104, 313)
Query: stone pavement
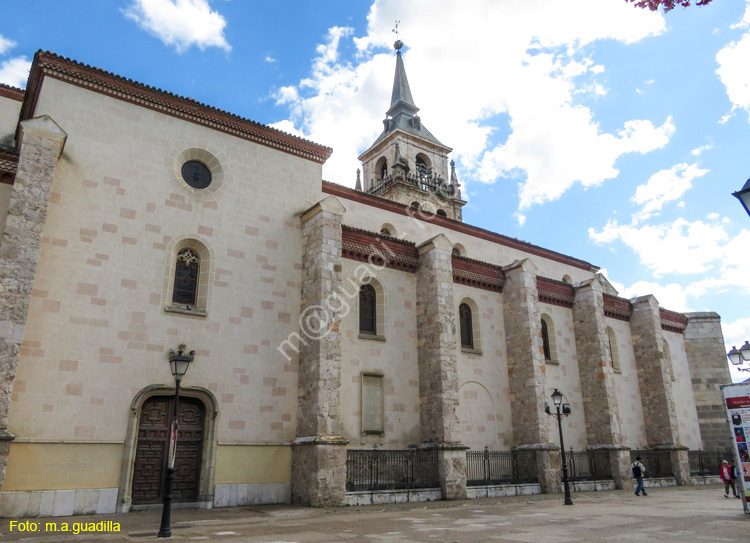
(680, 514)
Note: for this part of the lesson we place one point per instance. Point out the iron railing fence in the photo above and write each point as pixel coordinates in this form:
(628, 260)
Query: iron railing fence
(382, 469)
(425, 182)
(706, 462)
(657, 463)
(588, 465)
(500, 467)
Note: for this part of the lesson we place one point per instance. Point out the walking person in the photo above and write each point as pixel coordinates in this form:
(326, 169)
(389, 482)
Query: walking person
(639, 471)
(727, 476)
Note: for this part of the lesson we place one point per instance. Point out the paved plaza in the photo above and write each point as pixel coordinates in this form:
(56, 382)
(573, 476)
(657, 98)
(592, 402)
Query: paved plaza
(679, 514)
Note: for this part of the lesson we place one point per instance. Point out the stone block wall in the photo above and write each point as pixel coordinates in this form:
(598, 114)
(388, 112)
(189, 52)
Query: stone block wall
(704, 347)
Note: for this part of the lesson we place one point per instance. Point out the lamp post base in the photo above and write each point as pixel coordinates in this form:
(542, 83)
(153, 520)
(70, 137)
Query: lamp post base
(165, 530)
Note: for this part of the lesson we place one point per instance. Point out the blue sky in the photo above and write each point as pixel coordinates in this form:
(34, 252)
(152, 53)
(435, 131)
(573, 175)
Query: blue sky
(590, 127)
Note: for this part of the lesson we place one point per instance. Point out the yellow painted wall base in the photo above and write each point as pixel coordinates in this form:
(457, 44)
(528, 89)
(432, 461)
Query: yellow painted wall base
(62, 466)
(252, 464)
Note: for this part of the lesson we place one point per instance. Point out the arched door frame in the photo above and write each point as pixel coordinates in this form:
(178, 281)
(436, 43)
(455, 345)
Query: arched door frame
(208, 462)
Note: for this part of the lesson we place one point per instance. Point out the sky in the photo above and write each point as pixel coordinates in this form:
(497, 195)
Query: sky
(589, 127)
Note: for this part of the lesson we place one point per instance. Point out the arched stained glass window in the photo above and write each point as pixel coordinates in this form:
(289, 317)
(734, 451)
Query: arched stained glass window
(467, 332)
(367, 312)
(187, 268)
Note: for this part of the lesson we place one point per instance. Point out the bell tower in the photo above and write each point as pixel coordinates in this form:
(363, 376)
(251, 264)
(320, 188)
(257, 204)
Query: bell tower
(407, 164)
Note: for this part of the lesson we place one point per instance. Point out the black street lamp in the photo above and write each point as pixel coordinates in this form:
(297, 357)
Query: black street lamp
(178, 363)
(738, 356)
(557, 399)
(743, 195)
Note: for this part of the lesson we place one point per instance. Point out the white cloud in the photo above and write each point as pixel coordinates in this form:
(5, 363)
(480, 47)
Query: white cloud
(665, 186)
(680, 247)
(736, 333)
(733, 62)
(287, 126)
(685, 248)
(6, 45)
(533, 87)
(698, 151)
(270, 59)
(15, 72)
(180, 23)
(745, 22)
(672, 296)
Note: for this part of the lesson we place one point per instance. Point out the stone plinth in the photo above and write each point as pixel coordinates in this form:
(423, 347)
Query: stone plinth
(653, 376)
(41, 143)
(619, 462)
(524, 354)
(451, 468)
(319, 471)
(548, 466)
(319, 452)
(704, 346)
(438, 375)
(601, 410)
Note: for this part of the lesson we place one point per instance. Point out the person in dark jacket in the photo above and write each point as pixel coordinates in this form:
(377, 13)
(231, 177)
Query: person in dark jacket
(639, 471)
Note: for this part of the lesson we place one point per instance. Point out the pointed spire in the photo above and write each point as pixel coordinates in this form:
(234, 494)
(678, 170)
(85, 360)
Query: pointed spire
(397, 158)
(454, 178)
(401, 100)
(358, 186)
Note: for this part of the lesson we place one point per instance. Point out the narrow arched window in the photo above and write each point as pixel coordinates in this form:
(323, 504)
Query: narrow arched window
(423, 170)
(384, 169)
(367, 310)
(187, 268)
(545, 341)
(467, 331)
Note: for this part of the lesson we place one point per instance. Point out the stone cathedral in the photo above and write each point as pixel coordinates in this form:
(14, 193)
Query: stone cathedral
(324, 320)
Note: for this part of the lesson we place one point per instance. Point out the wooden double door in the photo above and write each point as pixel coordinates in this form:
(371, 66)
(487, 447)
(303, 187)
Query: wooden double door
(152, 450)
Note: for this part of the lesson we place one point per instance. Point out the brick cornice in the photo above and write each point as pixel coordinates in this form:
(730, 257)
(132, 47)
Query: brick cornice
(554, 292)
(477, 274)
(617, 308)
(457, 226)
(14, 93)
(364, 246)
(8, 166)
(672, 321)
(48, 64)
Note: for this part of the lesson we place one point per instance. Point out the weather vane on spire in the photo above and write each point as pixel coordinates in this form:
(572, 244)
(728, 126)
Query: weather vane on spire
(399, 44)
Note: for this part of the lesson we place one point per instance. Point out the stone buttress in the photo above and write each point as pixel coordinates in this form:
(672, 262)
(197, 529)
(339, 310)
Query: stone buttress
(526, 371)
(601, 410)
(41, 143)
(319, 451)
(438, 375)
(655, 385)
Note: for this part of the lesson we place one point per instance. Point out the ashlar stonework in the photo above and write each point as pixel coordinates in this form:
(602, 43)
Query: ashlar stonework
(319, 453)
(41, 143)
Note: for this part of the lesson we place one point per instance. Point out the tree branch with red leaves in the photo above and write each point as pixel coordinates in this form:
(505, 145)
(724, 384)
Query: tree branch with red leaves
(666, 5)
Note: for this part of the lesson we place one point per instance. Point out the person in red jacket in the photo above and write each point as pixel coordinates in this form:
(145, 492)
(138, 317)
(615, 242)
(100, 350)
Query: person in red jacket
(727, 476)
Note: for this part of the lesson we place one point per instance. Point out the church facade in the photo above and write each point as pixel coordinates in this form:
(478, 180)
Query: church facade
(322, 318)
